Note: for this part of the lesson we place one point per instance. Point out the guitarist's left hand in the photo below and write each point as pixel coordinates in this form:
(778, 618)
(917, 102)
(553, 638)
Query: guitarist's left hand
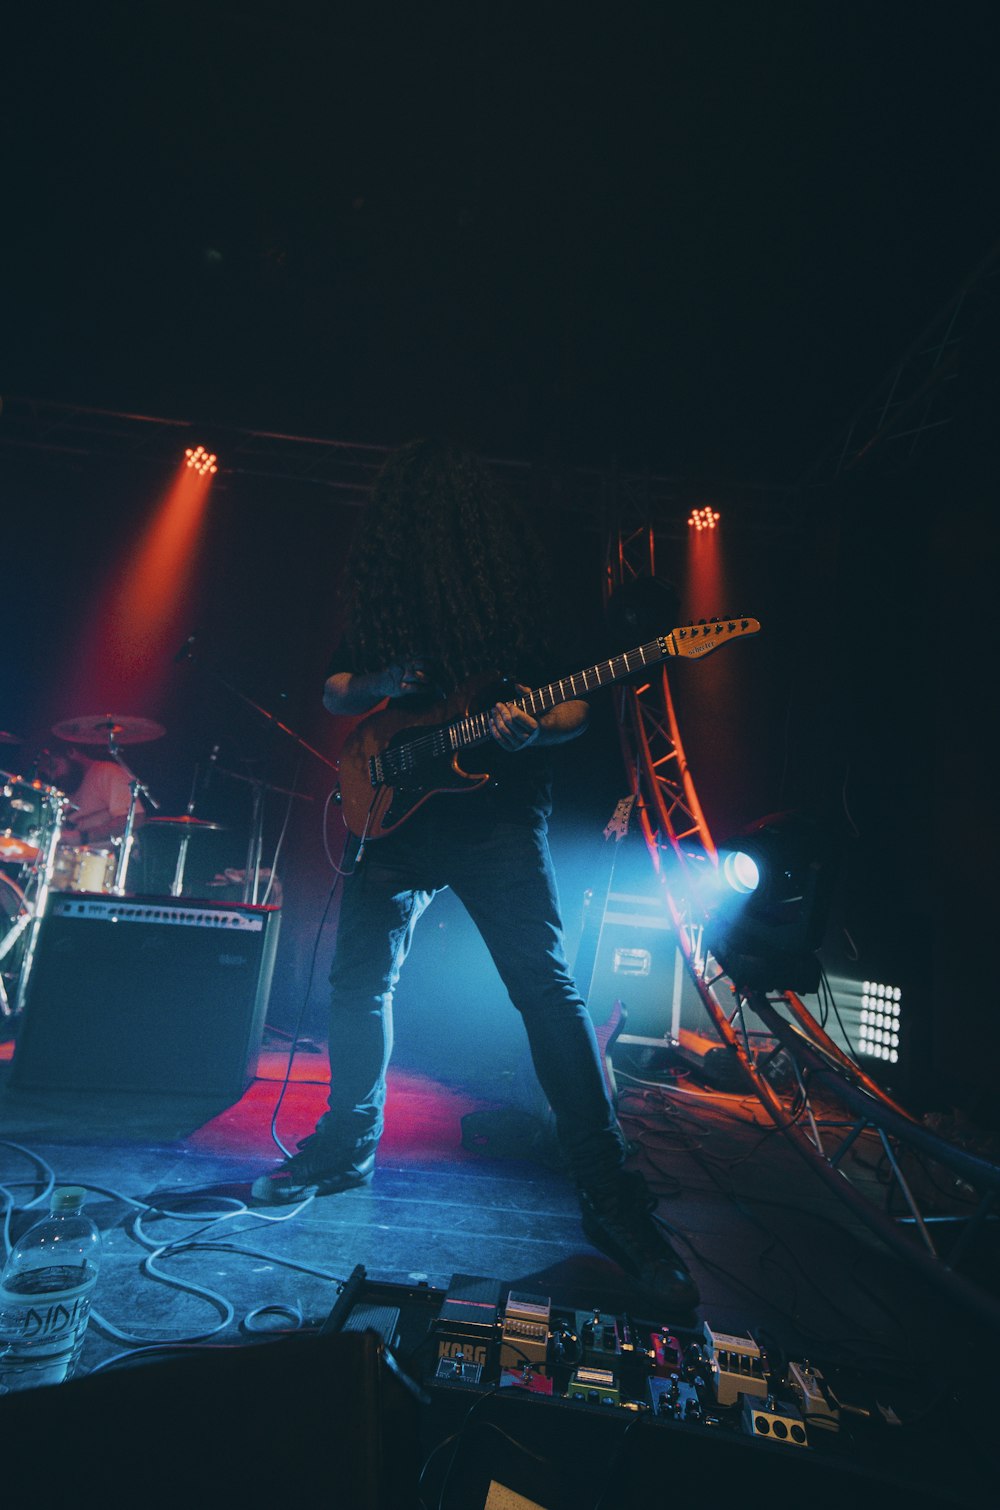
(511, 727)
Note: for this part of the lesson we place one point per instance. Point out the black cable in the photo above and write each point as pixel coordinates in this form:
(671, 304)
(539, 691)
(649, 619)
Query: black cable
(453, 1440)
(705, 1161)
(301, 1019)
(612, 1470)
(492, 1426)
(836, 1012)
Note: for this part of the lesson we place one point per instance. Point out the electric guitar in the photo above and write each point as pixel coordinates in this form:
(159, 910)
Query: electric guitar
(398, 757)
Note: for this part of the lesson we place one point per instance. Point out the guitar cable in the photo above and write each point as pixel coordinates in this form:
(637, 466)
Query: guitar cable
(341, 874)
(359, 853)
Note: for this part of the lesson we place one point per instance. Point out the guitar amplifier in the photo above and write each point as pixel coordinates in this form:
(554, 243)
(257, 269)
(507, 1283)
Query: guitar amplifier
(146, 994)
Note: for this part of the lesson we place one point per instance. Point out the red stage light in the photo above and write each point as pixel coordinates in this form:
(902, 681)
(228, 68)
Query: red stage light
(703, 519)
(201, 461)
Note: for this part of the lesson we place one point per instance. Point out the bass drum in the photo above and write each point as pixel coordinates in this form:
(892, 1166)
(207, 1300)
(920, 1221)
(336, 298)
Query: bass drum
(84, 867)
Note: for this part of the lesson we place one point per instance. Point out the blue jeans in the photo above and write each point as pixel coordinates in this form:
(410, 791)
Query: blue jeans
(502, 873)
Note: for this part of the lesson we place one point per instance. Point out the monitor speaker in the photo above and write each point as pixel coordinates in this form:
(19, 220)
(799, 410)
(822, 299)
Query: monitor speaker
(146, 994)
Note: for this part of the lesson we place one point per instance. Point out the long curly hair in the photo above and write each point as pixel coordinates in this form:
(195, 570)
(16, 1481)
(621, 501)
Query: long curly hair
(444, 566)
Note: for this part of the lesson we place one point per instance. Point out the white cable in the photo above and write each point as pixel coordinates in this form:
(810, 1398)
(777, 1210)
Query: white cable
(293, 1313)
(347, 834)
(6, 1191)
(281, 838)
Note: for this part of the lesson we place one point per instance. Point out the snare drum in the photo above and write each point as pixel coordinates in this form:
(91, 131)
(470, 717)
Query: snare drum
(84, 867)
(28, 812)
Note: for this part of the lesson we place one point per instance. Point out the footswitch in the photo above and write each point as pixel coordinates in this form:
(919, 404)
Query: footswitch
(454, 1371)
(774, 1421)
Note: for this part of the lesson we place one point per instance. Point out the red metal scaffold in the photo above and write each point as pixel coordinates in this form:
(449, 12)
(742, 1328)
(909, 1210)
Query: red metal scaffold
(679, 842)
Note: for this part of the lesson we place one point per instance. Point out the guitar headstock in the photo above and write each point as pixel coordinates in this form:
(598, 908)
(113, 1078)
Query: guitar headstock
(697, 640)
(617, 825)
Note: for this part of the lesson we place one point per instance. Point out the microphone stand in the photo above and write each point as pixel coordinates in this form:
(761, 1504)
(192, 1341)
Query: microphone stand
(135, 786)
(251, 887)
(251, 879)
(190, 655)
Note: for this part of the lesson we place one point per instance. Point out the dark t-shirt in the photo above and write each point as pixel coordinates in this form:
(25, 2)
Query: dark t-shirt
(521, 785)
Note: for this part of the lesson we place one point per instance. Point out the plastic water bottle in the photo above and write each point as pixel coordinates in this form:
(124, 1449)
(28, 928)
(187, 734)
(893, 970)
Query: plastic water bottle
(45, 1292)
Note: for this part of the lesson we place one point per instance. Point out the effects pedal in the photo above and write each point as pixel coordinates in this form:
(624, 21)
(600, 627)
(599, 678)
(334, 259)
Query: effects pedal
(774, 1420)
(674, 1399)
(599, 1338)
(737, 1367)
(668, 1356)
(468, 1323)
(806, 1383)
(598, 1386)
(524, 1338)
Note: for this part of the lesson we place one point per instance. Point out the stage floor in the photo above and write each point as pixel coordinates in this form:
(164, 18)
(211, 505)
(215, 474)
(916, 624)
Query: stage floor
(774, 1253)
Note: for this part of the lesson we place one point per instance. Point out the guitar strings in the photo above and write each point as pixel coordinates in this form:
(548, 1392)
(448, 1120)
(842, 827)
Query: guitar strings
(542, 699)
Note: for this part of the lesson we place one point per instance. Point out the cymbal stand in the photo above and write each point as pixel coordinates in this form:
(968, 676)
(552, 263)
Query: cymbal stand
(255, 847)
(135, 786)
(177, 883)
(59, 802)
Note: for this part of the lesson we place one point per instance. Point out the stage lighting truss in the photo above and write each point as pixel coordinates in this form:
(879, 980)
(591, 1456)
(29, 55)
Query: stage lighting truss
(683, 853)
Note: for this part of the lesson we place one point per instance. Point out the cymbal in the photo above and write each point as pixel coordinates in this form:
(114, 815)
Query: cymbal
(6, 738)
(186, 821)
(95, 730)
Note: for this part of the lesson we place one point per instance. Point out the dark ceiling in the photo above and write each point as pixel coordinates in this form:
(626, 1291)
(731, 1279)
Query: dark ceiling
(686, 237)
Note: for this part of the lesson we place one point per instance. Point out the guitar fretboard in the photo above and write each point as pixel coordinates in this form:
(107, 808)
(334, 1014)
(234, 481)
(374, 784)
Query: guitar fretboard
(475, 727)
(398, 762)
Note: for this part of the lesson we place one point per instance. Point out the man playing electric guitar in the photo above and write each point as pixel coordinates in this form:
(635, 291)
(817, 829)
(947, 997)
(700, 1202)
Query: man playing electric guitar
(442, 589)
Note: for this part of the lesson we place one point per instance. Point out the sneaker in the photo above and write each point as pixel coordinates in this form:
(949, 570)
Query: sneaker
(312, 1171)
(617, 1219)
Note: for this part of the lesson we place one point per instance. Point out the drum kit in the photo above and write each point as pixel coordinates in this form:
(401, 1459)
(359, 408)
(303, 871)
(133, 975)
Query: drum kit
(35, 860)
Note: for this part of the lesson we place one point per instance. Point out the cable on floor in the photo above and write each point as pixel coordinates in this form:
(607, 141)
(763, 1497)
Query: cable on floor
(142, 1213)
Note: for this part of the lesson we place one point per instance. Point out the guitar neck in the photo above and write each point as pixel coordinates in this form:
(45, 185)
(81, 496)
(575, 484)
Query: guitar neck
(693, 641)
(475, 728)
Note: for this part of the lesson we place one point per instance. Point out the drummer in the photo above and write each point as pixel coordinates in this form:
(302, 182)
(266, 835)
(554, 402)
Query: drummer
(99, 790)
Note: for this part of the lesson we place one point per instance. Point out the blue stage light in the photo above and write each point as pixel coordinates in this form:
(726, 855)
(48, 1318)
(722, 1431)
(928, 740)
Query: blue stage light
(741, 871)
(769, 915)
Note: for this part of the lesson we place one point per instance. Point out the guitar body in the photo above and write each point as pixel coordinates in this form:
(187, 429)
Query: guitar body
(410, 743)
